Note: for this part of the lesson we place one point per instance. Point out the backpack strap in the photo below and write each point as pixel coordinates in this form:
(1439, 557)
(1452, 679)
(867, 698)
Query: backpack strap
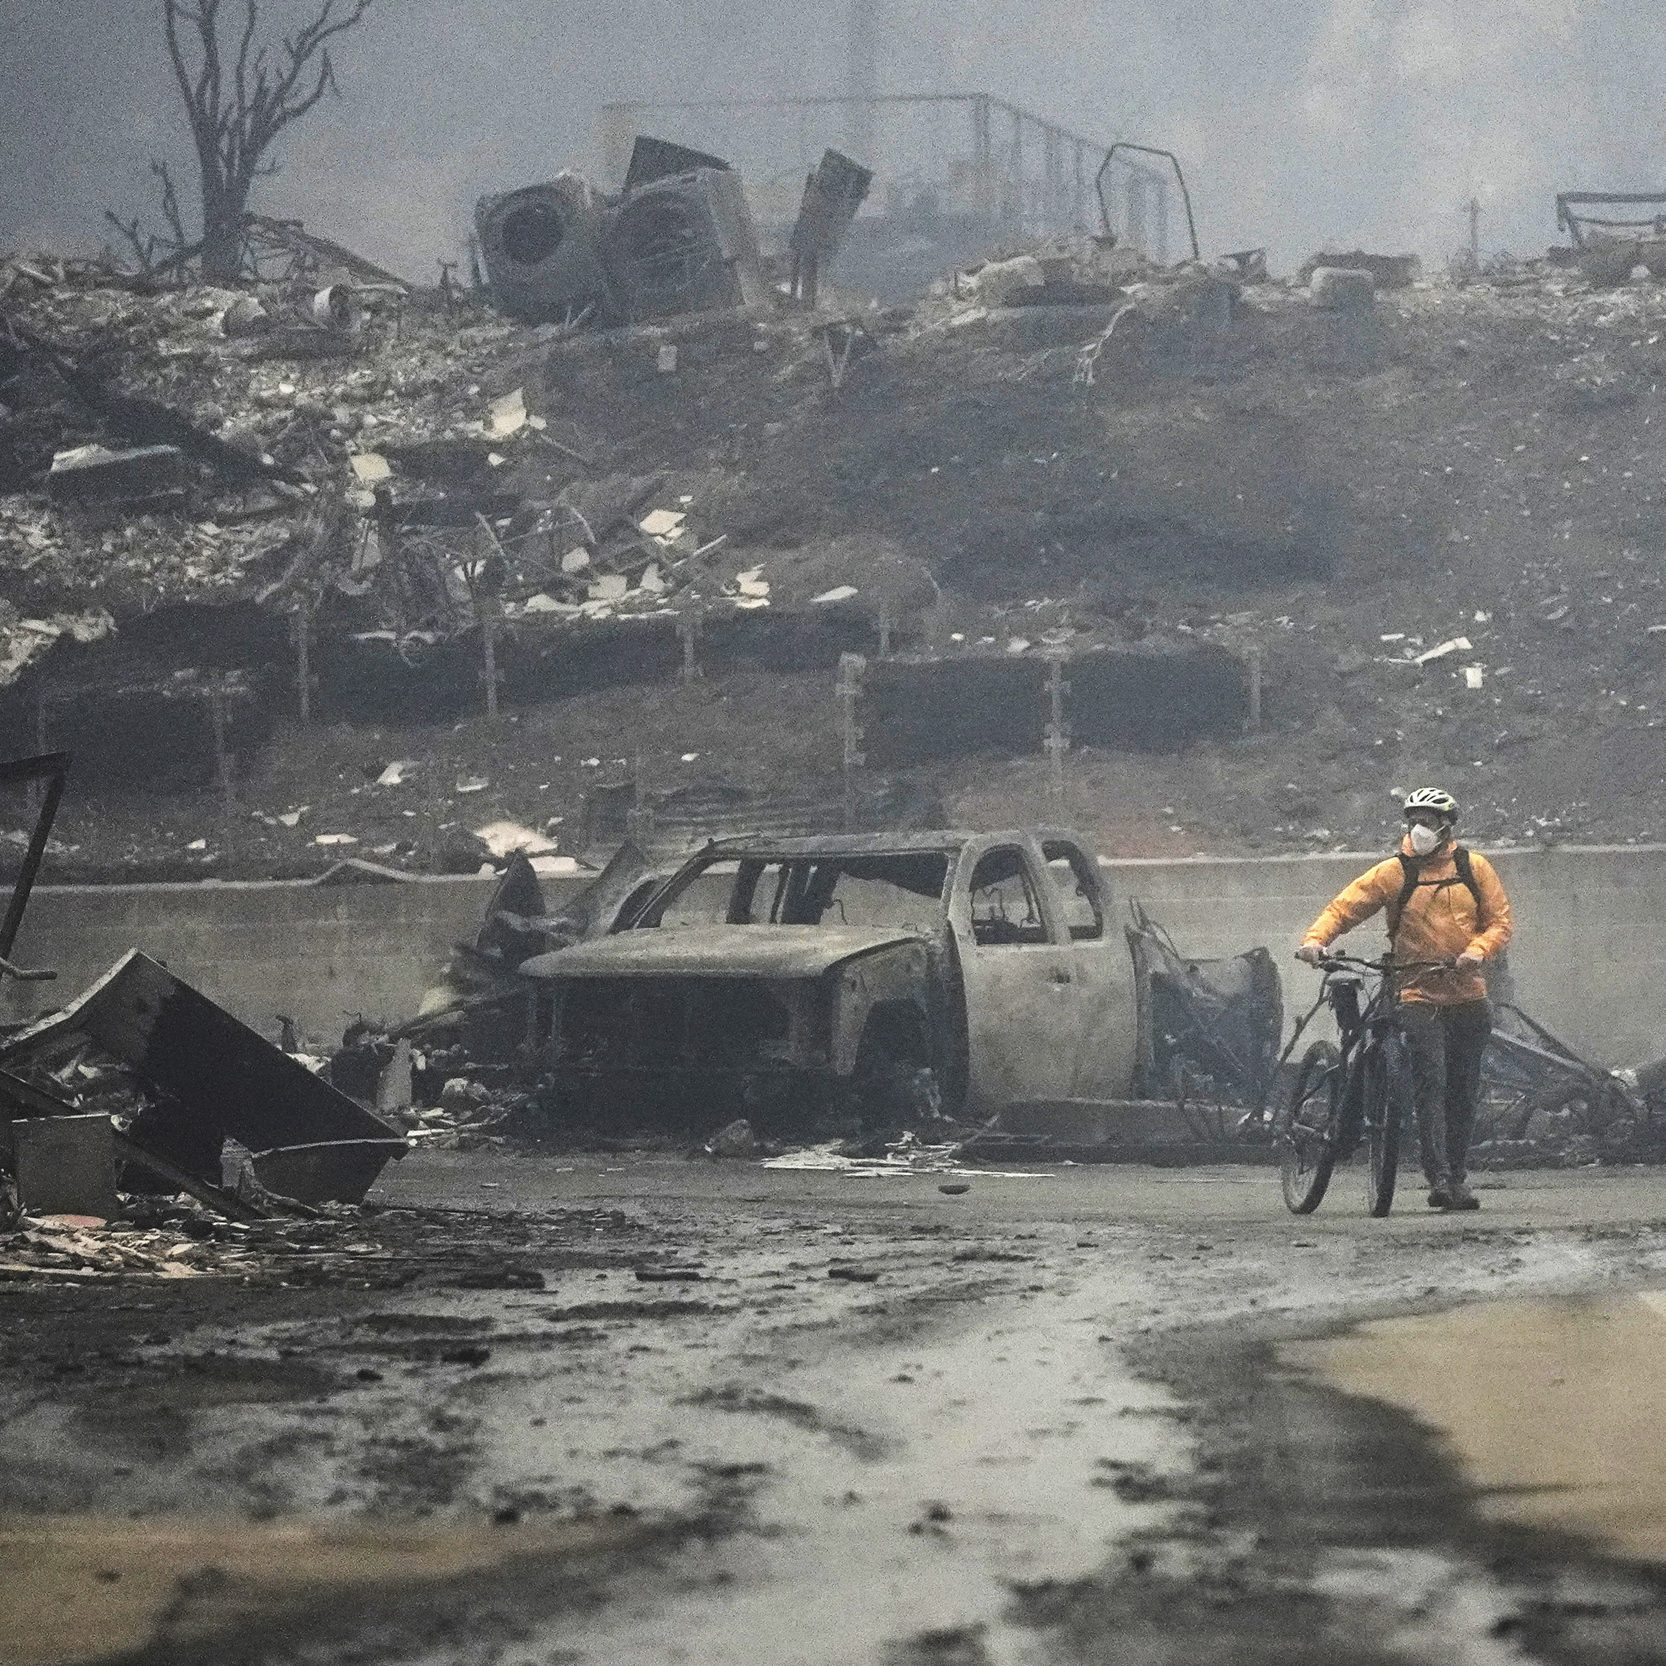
(1408, 884)
(1461, 860)
(1466, 872)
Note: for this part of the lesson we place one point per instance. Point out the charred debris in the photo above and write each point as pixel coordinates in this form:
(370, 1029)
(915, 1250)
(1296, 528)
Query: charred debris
(142, 1103)
(641, 452)
(323, 496)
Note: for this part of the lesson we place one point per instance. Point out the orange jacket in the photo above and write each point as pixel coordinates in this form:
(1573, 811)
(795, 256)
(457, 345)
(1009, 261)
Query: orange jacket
(1440, 922)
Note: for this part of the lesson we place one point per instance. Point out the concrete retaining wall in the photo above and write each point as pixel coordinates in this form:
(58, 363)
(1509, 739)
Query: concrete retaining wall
(1588, 959)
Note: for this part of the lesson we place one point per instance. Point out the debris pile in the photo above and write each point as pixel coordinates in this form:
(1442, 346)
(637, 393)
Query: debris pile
(224, 512)
(158, 1242)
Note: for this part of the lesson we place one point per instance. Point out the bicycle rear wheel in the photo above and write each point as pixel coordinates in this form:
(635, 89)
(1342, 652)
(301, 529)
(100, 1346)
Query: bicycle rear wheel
(1307, 1128)
(1387, 1099)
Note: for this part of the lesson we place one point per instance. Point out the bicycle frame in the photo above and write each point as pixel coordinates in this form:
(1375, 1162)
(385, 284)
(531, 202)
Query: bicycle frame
(1360, 1030)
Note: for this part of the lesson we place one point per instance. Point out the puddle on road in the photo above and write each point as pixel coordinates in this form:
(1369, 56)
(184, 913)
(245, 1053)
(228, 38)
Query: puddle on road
(79, 1589)
(1554, 1406)
(1014, 1448)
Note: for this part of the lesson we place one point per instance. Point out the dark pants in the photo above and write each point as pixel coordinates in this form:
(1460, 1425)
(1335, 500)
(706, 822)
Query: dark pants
(1446, 1044)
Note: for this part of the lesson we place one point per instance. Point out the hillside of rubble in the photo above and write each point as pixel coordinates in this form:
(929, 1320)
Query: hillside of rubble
(1434, 527)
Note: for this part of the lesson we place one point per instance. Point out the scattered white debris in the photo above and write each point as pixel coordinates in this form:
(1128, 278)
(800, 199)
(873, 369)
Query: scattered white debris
(394, 775)
(198, 844)
(335, 839)
(839, 593)
(662, 523)
(545, 603)
(610, 587)
(504, 838)
(472, 783)
(904, 1158)
(292, 818)
(575, 561)
(752, 583)
(370, 468)
(667, 361)
(1457, 645)
(507, 415)
(1474, 676)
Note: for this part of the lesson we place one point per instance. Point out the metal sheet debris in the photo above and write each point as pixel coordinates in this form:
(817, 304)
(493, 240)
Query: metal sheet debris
(212, 1078)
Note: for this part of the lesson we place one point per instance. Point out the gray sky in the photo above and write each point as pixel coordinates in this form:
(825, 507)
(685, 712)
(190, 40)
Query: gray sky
(1301, 121)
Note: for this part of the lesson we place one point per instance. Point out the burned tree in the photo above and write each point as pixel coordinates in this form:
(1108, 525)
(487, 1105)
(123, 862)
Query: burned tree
(240, 95)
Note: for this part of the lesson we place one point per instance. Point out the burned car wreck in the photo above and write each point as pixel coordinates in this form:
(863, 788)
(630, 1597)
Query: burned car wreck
(890, 977)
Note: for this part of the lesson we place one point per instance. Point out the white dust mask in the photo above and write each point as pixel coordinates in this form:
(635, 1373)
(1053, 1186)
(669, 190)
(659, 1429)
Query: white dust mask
(1425, 841)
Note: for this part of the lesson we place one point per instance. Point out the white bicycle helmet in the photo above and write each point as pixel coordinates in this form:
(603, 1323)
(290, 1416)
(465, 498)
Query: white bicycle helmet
(1442, 803)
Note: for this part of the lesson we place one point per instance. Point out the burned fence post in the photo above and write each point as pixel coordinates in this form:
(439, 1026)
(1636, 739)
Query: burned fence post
(1057, 737)
(43, 696)
(639, 819)
(222, 753)
(688, 633)
(849, 695)
(485, 580)
(303, 659)
(488, 609)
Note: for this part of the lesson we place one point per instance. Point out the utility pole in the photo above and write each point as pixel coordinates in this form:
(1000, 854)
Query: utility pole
(1474, 213)
(862, 81)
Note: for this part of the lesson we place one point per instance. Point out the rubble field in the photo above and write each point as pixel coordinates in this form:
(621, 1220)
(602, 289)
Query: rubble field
(1435, 522)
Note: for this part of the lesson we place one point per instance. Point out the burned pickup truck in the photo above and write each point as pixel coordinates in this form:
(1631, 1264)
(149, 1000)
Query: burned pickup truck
(886, 977)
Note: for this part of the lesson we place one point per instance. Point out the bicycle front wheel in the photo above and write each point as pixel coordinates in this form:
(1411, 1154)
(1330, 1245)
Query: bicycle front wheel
(1306, 1130)
(1387, 1100)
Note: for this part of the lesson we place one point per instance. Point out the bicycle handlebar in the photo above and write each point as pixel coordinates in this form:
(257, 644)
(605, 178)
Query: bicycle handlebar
(1330, 963)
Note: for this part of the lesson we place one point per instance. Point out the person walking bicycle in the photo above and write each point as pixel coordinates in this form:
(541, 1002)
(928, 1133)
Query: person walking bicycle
(1444, 904)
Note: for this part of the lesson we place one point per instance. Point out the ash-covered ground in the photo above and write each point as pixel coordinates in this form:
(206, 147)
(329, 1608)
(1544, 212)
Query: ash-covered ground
(531, 1410)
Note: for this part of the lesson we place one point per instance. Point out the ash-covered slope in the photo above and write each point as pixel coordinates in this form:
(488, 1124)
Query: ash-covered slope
(1112, 458)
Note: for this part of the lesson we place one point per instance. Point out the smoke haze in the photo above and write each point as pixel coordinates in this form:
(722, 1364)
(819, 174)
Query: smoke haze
(1301, 123)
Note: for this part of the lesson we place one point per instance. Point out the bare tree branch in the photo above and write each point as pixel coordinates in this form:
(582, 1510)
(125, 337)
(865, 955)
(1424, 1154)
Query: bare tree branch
(239, 99)
(170, 204)
(144, 248)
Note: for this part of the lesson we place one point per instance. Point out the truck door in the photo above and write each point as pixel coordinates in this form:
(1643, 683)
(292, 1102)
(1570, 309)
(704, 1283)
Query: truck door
(1018, 973)
(1108, 1037)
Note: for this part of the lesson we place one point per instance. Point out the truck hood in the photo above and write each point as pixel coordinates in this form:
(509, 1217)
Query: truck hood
(717, 952)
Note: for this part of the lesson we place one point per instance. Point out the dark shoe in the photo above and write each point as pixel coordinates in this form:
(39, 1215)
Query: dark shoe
(1461, 1197)
(1439, 1198)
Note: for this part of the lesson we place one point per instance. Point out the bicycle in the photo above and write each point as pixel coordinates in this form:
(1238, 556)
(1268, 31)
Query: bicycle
(1360, 1090)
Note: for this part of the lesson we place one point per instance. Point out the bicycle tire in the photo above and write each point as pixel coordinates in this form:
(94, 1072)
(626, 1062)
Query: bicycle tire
(1307, 1129)
(1387, 1091)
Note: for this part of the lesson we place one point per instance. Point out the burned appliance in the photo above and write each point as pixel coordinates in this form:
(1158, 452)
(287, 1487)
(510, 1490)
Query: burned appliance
(542, 248)
(685, 243)
(832, 196)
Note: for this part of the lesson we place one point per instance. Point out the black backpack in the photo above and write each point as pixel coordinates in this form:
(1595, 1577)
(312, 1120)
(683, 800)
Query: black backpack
(1410, 867)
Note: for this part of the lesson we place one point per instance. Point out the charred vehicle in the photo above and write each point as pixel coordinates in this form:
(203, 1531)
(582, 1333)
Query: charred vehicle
(895, 976)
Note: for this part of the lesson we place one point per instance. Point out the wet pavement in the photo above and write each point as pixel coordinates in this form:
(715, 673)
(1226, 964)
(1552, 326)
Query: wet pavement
(553, 1409)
